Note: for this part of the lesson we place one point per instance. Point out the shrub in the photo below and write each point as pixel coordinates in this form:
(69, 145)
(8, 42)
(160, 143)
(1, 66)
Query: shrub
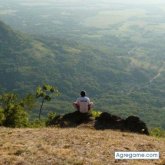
(12, 113)
(95, 113)
(37, 124)
(16, 117)
(157, 132)
(51, 118)
(2, 116)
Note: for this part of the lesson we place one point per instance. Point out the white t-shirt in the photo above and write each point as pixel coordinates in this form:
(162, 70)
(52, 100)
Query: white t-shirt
(83, 102)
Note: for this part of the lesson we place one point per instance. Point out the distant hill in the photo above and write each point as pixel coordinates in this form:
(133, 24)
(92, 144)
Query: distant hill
(21, 60)
(121, 84)
(74, 146)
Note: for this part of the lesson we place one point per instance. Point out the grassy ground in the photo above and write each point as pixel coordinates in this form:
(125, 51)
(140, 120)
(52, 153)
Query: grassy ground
(51, 146)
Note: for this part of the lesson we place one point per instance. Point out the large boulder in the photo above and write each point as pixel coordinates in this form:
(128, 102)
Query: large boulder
(132, 123)
(72, 119)
(108, 121)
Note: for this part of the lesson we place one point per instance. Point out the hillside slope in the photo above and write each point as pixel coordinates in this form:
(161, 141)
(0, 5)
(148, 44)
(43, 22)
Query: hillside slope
(21, 63)
(78, 146)
(119, 82)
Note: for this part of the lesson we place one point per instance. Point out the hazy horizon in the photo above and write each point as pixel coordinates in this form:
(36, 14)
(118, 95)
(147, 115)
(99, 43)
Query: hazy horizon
(91, 1)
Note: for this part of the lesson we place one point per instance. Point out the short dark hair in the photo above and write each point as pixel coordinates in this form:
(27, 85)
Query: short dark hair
(83, 93)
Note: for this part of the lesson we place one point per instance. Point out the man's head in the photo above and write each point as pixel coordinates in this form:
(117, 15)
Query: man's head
(83, 93)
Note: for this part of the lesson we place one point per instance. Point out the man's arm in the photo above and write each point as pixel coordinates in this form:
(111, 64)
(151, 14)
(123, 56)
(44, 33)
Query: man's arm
(89, 104)
(76, 104)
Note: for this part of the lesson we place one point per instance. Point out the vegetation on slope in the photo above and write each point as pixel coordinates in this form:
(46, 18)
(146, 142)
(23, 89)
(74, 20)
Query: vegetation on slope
(120, 85)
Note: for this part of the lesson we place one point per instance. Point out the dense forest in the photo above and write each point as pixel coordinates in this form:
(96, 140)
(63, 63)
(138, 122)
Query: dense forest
(120, 64)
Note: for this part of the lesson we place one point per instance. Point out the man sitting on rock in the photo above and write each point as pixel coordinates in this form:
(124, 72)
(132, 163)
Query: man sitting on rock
(83, 104)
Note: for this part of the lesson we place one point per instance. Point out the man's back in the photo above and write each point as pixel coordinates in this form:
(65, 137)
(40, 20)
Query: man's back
(83, 103)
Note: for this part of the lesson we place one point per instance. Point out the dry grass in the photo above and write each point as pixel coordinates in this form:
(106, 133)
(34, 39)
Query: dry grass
(78, 146)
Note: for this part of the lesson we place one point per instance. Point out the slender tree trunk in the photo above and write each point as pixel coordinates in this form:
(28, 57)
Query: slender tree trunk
(41, 108)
